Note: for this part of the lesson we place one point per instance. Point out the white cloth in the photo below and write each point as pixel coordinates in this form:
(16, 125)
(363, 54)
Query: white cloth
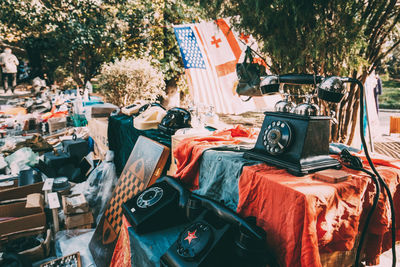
(38, 83)
(9, 62)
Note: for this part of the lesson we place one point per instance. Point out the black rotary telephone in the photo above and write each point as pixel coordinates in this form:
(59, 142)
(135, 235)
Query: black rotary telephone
(176, 118)
(297, 140)
(215, 236)
(158, 203)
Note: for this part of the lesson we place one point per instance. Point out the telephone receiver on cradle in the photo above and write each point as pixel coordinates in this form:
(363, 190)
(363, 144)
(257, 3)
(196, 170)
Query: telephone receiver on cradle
(297, 139)
(176, 118)
(214, 236)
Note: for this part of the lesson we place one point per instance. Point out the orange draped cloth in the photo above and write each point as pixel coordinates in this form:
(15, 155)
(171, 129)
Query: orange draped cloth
(303, 216)
(122, 251)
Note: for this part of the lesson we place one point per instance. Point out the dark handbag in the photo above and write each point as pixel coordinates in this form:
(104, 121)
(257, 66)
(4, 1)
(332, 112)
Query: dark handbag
(249, 76)
(77, 148)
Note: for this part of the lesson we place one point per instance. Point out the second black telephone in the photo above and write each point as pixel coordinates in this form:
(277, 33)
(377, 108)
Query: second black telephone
(214, 235)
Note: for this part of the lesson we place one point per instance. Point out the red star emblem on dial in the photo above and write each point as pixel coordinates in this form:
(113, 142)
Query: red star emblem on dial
(191, 236)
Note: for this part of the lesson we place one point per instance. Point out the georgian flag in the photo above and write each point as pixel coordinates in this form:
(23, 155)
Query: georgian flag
(210, 52)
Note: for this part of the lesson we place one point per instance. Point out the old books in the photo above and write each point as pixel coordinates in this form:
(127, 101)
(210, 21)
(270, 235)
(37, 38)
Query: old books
(332, 176)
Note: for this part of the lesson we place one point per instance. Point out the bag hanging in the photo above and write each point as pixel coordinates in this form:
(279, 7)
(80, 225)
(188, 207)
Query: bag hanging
(248, 76)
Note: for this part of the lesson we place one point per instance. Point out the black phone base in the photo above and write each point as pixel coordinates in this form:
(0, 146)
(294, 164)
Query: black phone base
(298, 143)
(204, 243)
(298, 168)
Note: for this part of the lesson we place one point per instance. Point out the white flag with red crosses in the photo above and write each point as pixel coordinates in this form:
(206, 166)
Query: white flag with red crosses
(210, 52)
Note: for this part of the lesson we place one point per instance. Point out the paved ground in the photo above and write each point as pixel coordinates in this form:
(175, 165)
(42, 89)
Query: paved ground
(390, 146)
(384, 118)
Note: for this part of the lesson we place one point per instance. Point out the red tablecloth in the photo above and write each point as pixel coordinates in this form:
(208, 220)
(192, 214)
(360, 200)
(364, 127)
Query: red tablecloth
(303, 216)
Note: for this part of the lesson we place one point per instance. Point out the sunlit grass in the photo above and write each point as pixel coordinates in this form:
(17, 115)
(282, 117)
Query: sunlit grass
(390, 97)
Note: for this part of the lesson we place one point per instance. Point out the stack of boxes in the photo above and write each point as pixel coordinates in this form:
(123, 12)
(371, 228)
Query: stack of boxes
(77, 213)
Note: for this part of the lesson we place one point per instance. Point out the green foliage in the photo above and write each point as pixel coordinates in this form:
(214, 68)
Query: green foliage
(80, 35)
(323, 37)
(390, 97)
(156, 37)
(393, 64)
(127, 80)
(76, 34)
(391, 84)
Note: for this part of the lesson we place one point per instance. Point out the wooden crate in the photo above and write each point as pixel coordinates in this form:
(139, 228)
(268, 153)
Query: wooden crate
(394, 124)
(57, 124)
(98, 131)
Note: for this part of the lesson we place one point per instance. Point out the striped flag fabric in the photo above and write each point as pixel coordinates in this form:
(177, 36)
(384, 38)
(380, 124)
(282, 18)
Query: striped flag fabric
(210, 52)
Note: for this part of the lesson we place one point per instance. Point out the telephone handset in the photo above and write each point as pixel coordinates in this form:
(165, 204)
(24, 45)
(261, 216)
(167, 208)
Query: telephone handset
(214, 235)
(176, 118)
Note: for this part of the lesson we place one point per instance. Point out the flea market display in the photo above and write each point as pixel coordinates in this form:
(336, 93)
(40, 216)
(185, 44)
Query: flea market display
(88, 183)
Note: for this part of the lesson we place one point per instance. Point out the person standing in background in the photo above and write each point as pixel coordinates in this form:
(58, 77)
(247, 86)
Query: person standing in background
(23, 71)
(9, 63)
(377, 91)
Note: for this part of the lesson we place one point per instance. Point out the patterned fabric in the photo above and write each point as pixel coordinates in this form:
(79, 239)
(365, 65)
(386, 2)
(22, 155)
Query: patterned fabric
(125, 190)
(210, 51)
(122, 252)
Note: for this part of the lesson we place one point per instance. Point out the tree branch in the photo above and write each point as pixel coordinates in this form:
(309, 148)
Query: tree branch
(14, 48)
(378, 28)
(388, 51)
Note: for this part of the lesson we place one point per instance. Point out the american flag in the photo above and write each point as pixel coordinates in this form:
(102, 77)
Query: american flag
(210, 52)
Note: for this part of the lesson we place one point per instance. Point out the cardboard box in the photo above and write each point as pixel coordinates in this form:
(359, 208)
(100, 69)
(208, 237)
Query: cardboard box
(35, 200)
(57, 124)
(394, 124)
(7, 184)
(86, 226)
(23, 221)
(75, 204)
(73, 221)
(39, 252)
(98, 131)
(20, 192)
(175, 140)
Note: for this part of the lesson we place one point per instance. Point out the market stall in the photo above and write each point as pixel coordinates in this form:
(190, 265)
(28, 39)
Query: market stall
(305, 219)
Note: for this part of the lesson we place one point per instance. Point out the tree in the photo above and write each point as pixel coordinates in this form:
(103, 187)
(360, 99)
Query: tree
(80, 35)
(392, 64)
(339, 37)
(77, 34)
(155, 36)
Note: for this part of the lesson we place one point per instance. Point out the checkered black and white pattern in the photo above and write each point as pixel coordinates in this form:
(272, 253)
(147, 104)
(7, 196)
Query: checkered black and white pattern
(128, 187)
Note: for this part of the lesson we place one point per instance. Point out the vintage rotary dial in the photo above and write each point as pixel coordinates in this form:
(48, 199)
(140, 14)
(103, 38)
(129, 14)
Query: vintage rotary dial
(277, 137)
(149, 197)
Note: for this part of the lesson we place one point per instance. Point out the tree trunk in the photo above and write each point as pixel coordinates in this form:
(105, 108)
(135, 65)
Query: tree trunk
(75, 70)
(355, 108)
